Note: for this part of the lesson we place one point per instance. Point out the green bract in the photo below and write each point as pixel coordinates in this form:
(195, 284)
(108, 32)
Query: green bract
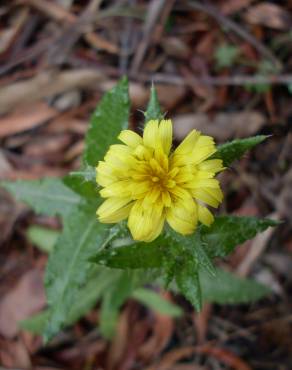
(93, 262)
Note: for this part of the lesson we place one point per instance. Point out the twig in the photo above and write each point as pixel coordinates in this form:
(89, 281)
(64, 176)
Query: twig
(237, 80)
(58, 53)
(239, 30)
(154, 10)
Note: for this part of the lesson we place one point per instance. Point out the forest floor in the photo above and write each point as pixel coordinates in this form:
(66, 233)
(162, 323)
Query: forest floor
(223, 67)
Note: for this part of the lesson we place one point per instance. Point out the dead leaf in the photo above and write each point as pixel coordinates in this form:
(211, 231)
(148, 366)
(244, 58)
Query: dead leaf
(25, 299)
(161, 335)
(233, 6)
(176, 47)
(9, 212)
(13, 354)
(26, 119)
(222, 126)
(46, 84)
(284, 201)
(269, 15)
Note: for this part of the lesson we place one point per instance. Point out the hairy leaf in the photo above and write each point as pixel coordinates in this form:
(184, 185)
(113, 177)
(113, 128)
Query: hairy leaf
(156, 302)
(86, 296)
(116, 295)
(153, 109)
(110, 117)
(48, 196)
(228, 288)
(42, 237)
(188, 282)
(229, 231)
(235, 149)
(133, 256)
(68, 265)
(83, 182)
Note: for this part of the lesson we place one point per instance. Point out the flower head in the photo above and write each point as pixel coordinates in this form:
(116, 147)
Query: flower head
(146, 182)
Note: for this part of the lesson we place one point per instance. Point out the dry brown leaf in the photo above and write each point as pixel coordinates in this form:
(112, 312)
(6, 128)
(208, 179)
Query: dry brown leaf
(9, 213)
(175, 47)
(233, 6)
(269, 15)
(46, 84)
(161, 335)
(13, 354)
(224, 356)
(284, 201)
(119, 343)
(222, 126)
(26, 119)
(42, 146)
(25, 299)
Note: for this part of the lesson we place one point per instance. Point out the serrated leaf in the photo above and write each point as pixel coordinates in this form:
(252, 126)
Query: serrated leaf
(188, 282)
(110, 117)
(192, 244)
(133, 256)
(153, 108)
(228, 288)
(227, 232)
(235, 149)
(83, 182)
(42, 237)
(86, 297)
(68, 265)
(154, 301)
(47, 196)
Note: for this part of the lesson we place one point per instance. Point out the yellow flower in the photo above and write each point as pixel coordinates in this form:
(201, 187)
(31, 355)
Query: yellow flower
(144, 181)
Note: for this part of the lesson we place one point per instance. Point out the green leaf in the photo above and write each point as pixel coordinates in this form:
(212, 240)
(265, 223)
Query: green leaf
(36, 323)
(110, 117)
(115, 296)
(98, 281)
(68, 265)
(188, 282)
(227, 232)
(83, 182)
(235, 149)
(133, 256)
(226, 55)
(228, 288)
(193, 245)
(42, 237)
(155, 302)
(47, 196)
(153, 109)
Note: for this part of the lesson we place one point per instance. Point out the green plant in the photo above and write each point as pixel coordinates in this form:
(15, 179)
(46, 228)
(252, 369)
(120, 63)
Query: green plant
(92, 262)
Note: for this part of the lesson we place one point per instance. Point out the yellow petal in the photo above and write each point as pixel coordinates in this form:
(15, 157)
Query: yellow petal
(181, 219)
(117, 189)
(204, 215)
(200, 154)
(145, 224)
(207, 197)
(212, 165)
(205, 183)
(165, 135)
(130, 138)
(150, 134)
(188, 144)
(111, 209)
